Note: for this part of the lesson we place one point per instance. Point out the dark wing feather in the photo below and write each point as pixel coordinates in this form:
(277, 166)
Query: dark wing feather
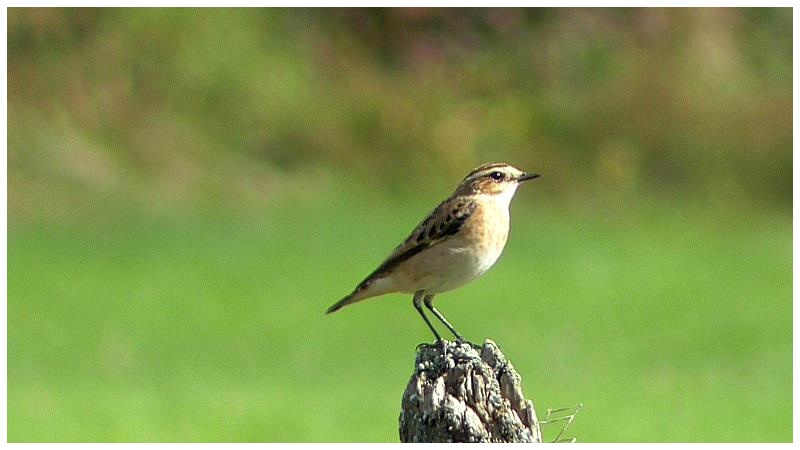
(445, 221)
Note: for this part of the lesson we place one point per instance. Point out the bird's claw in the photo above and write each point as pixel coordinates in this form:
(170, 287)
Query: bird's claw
(461, 341)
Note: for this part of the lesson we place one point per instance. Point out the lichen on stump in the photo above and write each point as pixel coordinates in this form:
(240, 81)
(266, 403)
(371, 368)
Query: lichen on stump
(460, 394)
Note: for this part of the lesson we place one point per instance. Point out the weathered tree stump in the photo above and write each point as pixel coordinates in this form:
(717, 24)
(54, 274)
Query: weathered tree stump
(460, 394)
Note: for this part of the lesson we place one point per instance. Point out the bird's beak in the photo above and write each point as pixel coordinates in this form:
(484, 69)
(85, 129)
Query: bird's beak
(527, 176)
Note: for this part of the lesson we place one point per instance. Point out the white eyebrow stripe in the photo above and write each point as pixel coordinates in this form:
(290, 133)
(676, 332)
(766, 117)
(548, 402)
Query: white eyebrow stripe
(483, 171)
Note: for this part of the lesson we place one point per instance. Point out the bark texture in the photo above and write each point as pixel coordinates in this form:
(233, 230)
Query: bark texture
(460, 394)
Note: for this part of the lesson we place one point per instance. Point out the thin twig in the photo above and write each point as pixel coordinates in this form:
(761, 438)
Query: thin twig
(568, 418)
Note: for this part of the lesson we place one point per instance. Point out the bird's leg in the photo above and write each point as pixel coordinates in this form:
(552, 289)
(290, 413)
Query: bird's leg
(418, 297)
(428, 299)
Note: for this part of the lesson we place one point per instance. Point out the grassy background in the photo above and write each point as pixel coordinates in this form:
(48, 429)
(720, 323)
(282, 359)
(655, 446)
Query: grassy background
(667, 324)
(189, 190)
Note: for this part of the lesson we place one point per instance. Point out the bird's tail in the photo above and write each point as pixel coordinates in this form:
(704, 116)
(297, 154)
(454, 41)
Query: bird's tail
(370, 287)
(343, 302)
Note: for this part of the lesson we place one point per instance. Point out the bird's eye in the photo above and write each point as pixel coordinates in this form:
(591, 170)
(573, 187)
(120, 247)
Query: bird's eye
(497, 176)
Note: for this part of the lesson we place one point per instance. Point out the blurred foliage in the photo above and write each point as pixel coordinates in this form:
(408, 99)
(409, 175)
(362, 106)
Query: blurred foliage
(164, 108)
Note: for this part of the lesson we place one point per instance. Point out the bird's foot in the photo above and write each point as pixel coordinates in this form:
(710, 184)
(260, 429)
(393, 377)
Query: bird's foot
(461, 341)
(423, 345)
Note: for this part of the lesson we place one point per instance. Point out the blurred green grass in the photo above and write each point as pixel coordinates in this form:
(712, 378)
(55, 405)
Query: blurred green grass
(669, 322)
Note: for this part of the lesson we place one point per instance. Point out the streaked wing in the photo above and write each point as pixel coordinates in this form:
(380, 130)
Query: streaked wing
(445, 221)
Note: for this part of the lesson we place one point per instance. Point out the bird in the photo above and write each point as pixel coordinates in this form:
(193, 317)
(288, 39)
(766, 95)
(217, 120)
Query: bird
(455, 244)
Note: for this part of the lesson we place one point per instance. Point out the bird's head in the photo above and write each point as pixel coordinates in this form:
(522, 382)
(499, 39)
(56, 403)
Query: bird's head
(496, 179)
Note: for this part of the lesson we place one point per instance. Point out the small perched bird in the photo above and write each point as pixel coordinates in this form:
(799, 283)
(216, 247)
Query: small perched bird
(459, 241)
